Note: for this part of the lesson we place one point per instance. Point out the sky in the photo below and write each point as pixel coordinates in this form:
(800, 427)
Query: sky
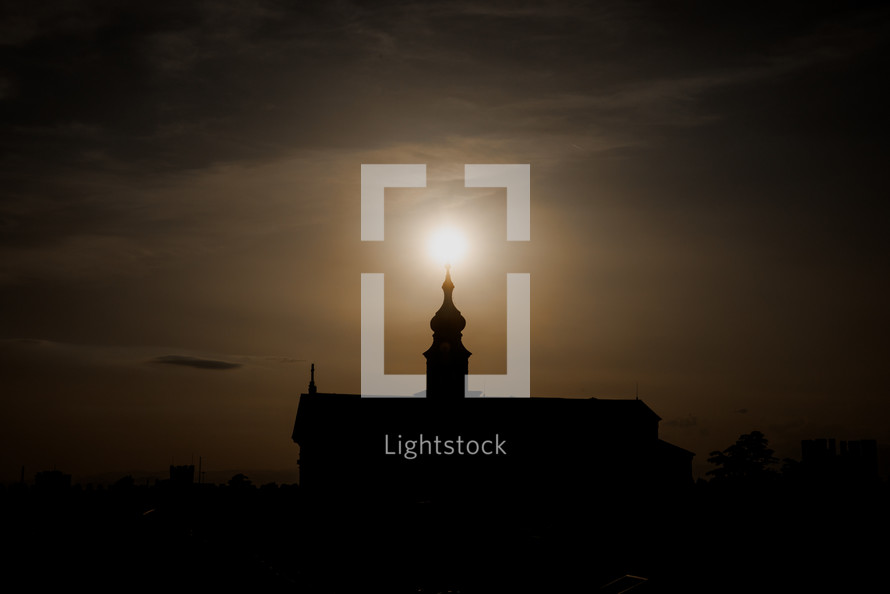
(180, 233)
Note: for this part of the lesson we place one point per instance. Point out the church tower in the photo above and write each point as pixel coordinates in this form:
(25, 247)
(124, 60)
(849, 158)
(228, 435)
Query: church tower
(447, 358)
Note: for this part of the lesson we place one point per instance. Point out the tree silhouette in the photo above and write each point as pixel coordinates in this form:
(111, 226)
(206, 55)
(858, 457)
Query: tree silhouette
(749, 459)
(240, 481)
(124, 483)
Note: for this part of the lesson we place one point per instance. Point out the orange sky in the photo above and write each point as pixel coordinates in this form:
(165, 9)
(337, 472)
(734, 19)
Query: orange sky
(708, 216)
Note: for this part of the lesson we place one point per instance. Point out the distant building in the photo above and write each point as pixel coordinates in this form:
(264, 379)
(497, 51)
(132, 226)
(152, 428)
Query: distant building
(52, 480)
(448, 446)
(856, 461)
(182, 475)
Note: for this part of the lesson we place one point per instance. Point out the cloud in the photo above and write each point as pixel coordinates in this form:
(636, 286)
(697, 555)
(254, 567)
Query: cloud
(196, 362)
(689, 421)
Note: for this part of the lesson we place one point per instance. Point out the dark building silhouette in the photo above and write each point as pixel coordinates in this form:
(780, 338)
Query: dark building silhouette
(446, 446)
(182, 476)
(855, 462)
(52, 480)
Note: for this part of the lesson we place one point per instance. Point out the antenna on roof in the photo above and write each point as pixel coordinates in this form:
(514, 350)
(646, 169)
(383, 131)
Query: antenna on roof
(638, 391)
(312, 388)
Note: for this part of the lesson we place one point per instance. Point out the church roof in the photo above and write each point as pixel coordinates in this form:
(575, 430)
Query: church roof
(324, 412)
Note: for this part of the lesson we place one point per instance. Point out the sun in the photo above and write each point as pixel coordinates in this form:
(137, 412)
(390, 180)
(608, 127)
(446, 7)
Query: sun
(447, 245)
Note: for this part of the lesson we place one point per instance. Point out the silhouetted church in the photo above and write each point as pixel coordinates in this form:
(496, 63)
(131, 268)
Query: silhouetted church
(446, 446)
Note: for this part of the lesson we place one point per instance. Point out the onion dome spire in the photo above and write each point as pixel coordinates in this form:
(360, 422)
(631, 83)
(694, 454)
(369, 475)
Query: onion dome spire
(447, 358)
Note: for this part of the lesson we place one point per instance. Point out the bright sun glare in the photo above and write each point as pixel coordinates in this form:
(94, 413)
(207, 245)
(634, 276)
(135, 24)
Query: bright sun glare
(447, 246)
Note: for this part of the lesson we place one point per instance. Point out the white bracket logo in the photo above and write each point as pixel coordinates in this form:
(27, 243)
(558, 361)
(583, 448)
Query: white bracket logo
(515, 178)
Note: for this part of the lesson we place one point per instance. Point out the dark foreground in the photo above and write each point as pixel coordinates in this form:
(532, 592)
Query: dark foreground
(275, 539)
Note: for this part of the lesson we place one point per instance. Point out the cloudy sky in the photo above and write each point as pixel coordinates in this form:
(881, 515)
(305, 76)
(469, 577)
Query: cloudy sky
(179, 215)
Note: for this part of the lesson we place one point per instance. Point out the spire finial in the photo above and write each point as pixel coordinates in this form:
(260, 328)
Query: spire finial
(448, 286)
(312, 388)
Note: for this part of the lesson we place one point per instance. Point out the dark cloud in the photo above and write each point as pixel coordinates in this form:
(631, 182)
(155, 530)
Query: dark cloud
(36, 341)
(183, 85)
(196, 362)
(98, 97)
(683, 422)
(287, 360)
